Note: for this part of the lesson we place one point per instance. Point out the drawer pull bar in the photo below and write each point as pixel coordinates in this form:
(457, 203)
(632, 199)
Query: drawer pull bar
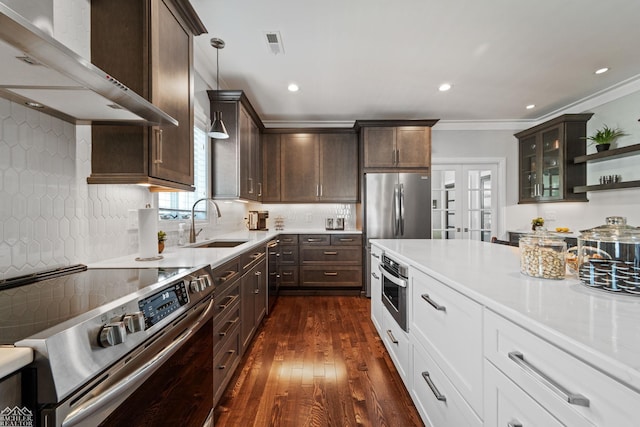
(330, 273)
(572, 398)
(227, 276)
(231, 353)
(230, 300)
(441, 397)
(432, 303)
(287, 252)
(313, 239)
(230, 323)
(514, 424)
(330, 252)
(345, 239)
(287, 273)
(391, 337)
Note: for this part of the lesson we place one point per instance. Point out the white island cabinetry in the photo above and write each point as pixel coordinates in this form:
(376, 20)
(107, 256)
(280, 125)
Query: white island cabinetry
(490, 346)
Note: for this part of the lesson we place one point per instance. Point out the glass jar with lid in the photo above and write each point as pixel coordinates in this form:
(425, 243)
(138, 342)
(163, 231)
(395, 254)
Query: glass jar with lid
(543, 255)
(609, 257)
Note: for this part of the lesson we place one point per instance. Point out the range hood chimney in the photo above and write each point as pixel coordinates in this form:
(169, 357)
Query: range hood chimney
(43, 74)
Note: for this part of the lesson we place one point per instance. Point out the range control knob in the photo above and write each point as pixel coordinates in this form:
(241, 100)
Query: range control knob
(134, 322)
(195, 285)
(113, 333)
(206, 280)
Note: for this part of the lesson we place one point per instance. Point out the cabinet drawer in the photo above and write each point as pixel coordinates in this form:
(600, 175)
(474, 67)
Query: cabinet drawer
(397, 343)
(507, 405)
(224, 275)
(331, 276)
(449, 325)
(437, 400)
(252, 256)
(223, 302)
(226, 326)
(288, 255)
(535, 365)
(346, 239)
(225, 362)
(288, 239)
(289, 277)
(315, 239)
(332, 255)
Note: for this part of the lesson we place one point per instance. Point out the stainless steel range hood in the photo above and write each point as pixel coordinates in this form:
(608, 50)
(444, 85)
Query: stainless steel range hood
(43, 74)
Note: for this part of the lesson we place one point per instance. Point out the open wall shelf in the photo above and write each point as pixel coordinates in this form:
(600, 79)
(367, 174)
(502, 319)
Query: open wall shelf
(615, 153)
(600, 187)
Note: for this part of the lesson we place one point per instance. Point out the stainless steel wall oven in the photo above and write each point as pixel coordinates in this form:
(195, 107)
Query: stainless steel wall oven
(395, 279)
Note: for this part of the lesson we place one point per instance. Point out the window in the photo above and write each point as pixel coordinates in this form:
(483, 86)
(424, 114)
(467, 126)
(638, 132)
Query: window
(177, 205)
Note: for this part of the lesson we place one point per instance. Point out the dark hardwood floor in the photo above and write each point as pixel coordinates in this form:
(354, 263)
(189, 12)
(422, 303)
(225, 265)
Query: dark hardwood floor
(317, 361)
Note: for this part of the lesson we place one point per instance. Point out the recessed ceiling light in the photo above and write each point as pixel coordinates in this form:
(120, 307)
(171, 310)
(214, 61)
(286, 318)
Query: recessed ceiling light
(444, 87)
(293, 87)
(602, 70)
(531, 106)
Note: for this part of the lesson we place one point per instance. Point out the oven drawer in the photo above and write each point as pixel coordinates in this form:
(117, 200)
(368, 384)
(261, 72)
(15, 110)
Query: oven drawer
(332, 255)
(535, 365)
(329, 276)
(449, 326)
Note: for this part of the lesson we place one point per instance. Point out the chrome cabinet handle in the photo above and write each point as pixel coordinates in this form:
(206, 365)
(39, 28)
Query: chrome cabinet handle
(230, 324)
(250, 180)
(563, 393)
(331, 252)
(258, 275)
(226, 277)
(391, 337)
(231, 353)
(441, 397)
(158, 158)
(313, 239)
(259, 189)
(230, 300)
(514, 424)
(330, 273)
(432, 303)
(344, 239)
(287, 273)
(397, 157)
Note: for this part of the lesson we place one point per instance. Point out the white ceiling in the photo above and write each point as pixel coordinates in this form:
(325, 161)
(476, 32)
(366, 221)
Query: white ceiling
(384, 59)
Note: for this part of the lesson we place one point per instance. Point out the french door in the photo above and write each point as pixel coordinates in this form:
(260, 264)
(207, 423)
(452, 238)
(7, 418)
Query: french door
(464, 201)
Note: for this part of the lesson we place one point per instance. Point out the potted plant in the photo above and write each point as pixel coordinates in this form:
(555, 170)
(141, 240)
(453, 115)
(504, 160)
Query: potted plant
(537, 222)
(162, 236)
(605, 136)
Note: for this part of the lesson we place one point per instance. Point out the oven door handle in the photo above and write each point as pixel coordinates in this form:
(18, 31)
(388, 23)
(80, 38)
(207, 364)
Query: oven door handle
(386, 274)
(123, 388)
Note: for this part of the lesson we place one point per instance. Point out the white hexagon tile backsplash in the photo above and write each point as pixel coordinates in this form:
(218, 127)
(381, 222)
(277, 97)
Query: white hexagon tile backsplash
(50, 216)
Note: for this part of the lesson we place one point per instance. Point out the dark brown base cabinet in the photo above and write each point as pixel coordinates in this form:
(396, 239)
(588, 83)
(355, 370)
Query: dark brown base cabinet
(148, 46)
(547, 172)
(321, 262)
(253, 294)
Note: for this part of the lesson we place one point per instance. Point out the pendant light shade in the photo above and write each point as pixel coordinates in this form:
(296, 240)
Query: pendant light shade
(218, 129)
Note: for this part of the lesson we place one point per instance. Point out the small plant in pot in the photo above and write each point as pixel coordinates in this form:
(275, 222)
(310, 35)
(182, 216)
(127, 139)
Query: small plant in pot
(604, 137)
(162, 236)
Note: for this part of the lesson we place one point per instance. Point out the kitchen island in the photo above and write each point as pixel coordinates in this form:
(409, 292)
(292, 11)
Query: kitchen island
(586, 340)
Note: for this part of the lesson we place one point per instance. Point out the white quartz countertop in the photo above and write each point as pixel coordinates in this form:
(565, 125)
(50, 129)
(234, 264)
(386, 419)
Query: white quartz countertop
(187, 256)
(14, 358)
(600, 328)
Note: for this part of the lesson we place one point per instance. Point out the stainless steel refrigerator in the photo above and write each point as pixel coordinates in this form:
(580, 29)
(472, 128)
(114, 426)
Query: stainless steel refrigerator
(397, 206)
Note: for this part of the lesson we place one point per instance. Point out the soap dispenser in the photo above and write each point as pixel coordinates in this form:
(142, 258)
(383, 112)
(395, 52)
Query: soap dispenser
(181, 234)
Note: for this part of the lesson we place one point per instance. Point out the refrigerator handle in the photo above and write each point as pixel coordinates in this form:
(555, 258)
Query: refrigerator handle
(401, 197)
(396, 210)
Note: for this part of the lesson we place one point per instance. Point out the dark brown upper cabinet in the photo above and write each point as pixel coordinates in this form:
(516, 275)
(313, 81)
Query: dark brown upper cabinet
(310, 166)
(389, 145)
(237, 161)
(148, 46)
(547, 172)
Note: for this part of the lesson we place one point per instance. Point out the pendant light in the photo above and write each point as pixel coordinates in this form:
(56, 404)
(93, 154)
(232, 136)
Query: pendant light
(218, 130)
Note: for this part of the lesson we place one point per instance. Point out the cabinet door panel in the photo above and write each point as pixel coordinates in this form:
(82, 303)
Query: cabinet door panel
(413, 145)
(299, 167)
(338, 167)
(379, 147)
(271, 168)
(172, 146)
(244, 124)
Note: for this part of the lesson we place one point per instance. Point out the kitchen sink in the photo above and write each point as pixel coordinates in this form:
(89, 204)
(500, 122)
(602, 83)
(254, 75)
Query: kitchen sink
(221, 244)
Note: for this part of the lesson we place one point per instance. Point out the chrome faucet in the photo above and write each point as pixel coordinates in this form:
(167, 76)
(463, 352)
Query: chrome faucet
(192, 232)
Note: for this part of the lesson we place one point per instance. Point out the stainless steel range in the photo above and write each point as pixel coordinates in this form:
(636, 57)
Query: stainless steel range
(113, 346)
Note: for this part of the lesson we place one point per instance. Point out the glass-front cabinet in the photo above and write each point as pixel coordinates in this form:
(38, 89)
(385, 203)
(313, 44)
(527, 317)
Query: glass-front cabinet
(546, 152)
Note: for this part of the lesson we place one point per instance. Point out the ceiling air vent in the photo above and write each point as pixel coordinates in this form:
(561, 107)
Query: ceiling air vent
(274, 41)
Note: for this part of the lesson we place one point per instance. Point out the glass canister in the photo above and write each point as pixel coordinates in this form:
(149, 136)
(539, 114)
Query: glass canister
(543, 255)
(609, 257)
